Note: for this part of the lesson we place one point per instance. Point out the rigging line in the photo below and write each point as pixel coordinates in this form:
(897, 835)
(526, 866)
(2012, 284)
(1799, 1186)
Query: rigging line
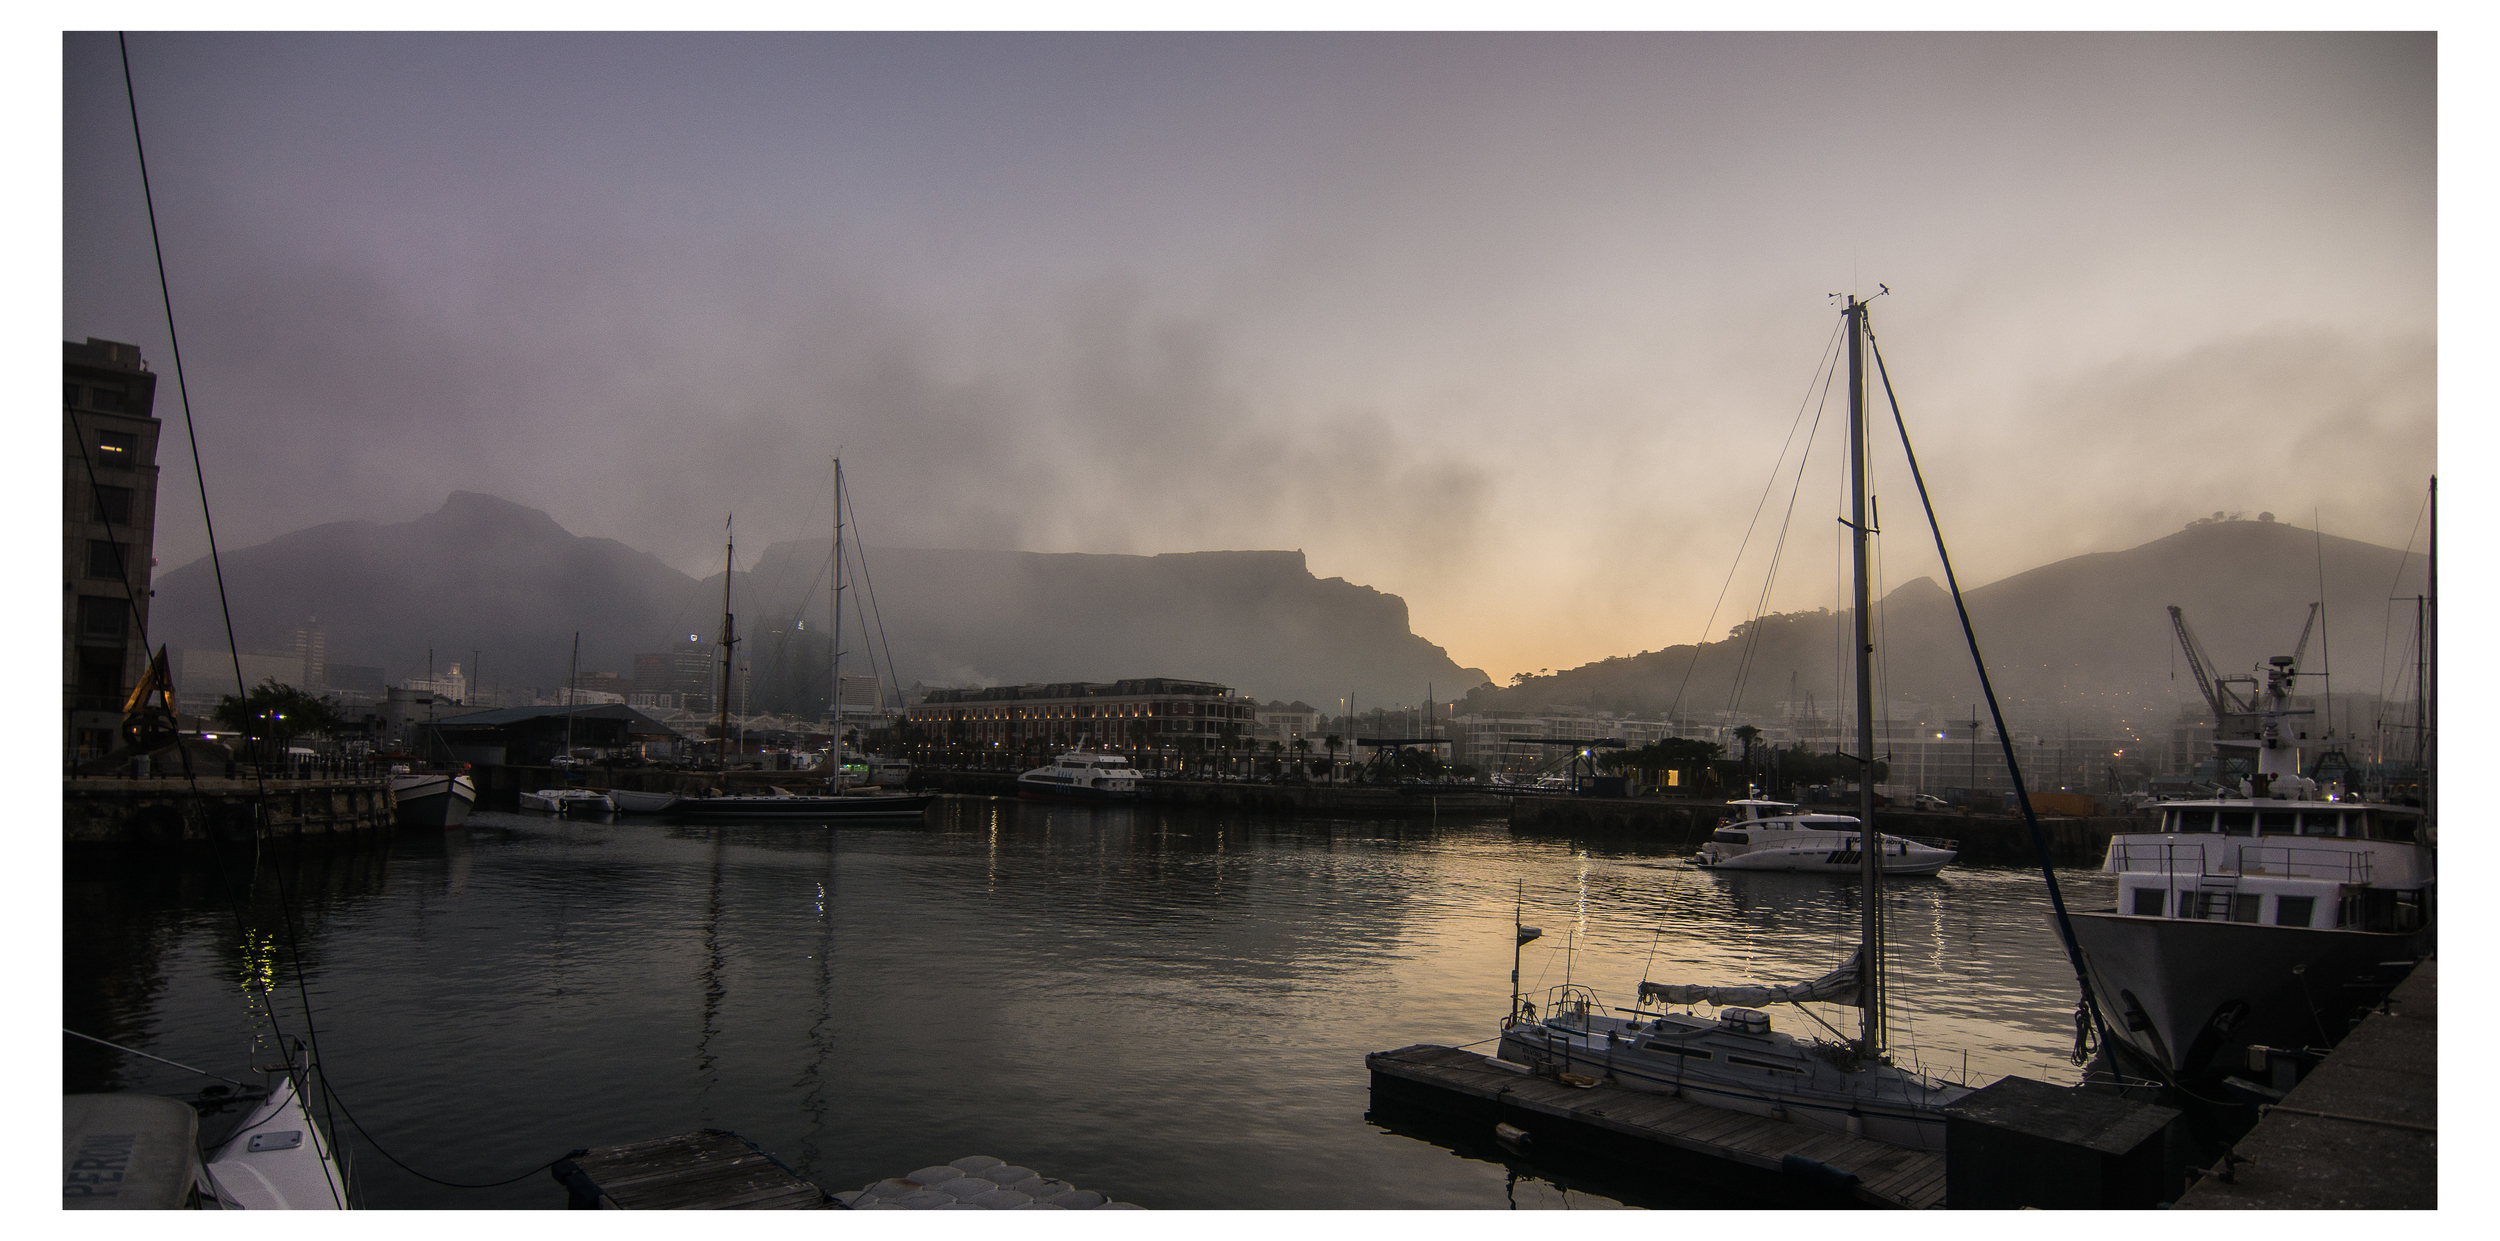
(225, 609)
(2388, 621)
(1828, 358)
(869, 585)
(2031, 820)
(159, 1059)
(1779, 550)
(182, 384)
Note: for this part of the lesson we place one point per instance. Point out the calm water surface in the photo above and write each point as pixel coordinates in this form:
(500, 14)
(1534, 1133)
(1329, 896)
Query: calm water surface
(1171, 1007)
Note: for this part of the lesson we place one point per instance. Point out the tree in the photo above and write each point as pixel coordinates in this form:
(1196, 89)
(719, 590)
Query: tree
(1332, 743)
(276, 713)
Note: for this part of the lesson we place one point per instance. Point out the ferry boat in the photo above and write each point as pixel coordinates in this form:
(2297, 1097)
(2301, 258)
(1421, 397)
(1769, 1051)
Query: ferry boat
(1081, 775)
(2256, 920)
(1772, 835)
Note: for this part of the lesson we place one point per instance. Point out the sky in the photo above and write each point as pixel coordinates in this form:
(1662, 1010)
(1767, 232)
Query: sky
(1515, 326)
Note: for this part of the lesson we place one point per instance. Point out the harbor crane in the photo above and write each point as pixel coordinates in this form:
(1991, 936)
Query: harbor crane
(2216, 688)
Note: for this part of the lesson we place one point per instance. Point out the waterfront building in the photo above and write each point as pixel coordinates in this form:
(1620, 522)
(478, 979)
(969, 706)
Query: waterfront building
(1145, 712)
(1283, 722)
(108, 536)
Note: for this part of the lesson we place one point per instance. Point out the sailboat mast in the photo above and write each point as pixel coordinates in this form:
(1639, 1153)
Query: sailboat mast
(728, 634)
(837, 626)
(572, 691)
(1870, 842)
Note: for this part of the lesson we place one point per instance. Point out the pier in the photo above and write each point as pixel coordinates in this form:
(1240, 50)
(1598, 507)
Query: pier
(2361, 1132)
(110, 812)
(1386, 801)
(1655, 1129)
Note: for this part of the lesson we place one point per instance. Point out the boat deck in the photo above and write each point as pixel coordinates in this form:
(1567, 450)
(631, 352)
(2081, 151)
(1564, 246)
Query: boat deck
(1638, 1122)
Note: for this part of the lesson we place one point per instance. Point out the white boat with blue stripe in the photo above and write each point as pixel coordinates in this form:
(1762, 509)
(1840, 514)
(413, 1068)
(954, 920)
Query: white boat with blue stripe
(1082, 775)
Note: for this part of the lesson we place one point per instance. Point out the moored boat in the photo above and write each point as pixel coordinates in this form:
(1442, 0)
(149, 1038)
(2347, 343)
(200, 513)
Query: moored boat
(636, 801)
(1081, 775)
(432, 798)
(2258, 920)
(568, 801)
(1772, 835)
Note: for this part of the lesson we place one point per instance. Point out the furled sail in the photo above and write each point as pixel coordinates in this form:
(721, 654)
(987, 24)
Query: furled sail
(1838, 987)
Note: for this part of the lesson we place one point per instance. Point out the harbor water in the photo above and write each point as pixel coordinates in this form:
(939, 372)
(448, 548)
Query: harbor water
(1169, 1006)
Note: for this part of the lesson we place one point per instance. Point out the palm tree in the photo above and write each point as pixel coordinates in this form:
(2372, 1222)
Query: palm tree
(1302, 751)
(1332, 743)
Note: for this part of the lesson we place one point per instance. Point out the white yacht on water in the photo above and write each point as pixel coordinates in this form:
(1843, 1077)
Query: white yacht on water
(2251, 920)
(1735, 1060)
(1772, 835)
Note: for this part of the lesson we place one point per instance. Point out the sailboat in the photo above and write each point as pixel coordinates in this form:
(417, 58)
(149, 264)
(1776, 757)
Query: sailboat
(1738, 1061)
(836, 803)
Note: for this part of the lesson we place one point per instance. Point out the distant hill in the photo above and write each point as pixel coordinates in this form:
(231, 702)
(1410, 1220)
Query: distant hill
(2083, 637)
(487, 575)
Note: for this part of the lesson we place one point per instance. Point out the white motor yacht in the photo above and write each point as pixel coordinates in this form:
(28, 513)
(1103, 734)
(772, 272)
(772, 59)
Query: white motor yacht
(1773, 835)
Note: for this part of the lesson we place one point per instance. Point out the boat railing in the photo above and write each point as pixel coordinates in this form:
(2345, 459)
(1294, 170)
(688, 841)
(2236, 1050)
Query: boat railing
(2158, 857)
(2347, 865)
(2310, 862)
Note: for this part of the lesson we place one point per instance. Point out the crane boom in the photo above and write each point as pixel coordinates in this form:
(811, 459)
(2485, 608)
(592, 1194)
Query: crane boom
(2303, 645)
(2197, 662)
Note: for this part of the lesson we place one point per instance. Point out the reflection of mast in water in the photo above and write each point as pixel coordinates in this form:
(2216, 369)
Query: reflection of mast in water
(812, 1098)
(712, 988)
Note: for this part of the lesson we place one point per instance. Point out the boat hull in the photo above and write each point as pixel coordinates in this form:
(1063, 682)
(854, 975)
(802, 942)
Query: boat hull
(1917, 1124)
(1072, 792)
(2189, 996)
(634, 801)
(1829, 862)
(439, 800)
(593, 803)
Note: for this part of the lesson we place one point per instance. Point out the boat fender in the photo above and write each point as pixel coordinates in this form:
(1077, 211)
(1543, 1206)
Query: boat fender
(1817, 1172)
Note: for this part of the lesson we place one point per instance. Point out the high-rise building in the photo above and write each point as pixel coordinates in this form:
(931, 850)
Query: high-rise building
(108, 535)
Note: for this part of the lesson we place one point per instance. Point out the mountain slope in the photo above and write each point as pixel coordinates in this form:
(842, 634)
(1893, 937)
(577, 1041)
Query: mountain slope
(2087, 635)
(486, 575)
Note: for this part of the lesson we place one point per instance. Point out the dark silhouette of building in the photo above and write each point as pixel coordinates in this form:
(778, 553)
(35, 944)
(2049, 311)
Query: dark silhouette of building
(108, 535)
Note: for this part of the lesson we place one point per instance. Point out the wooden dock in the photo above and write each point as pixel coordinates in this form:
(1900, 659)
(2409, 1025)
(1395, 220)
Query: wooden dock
(1643, 1126)
(709, 1169)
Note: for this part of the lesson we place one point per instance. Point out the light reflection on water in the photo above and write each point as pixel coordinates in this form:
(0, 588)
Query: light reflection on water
(1171, 1007)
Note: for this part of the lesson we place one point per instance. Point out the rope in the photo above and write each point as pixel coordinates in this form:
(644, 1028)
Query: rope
(159, 1059)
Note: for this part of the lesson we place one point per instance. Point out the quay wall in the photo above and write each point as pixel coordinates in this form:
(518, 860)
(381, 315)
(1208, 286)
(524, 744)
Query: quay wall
(1321, 800)
(119, 812)
(1984, 840)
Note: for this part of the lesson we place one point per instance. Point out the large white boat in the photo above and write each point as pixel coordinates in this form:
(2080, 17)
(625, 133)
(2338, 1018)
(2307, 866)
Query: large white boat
(2257, 919)
(1082, 775)
(1772, 835)
(432, 798)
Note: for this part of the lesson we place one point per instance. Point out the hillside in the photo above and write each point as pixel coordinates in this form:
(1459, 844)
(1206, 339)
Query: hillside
(2086, 635)
(487, 575)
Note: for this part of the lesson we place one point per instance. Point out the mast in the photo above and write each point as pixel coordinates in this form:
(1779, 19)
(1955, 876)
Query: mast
(728, 634)
(1870, 842)
(572, 690)
(837, 627)
(2424, 687)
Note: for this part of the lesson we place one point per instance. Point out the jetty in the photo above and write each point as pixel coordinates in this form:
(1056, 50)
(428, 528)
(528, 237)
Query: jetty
(2360, 1132)
(1646, 1129)
(169, 812)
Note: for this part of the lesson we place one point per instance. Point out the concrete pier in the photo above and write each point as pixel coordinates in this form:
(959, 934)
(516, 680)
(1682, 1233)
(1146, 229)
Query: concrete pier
(2361, 1132)
(117, 812)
